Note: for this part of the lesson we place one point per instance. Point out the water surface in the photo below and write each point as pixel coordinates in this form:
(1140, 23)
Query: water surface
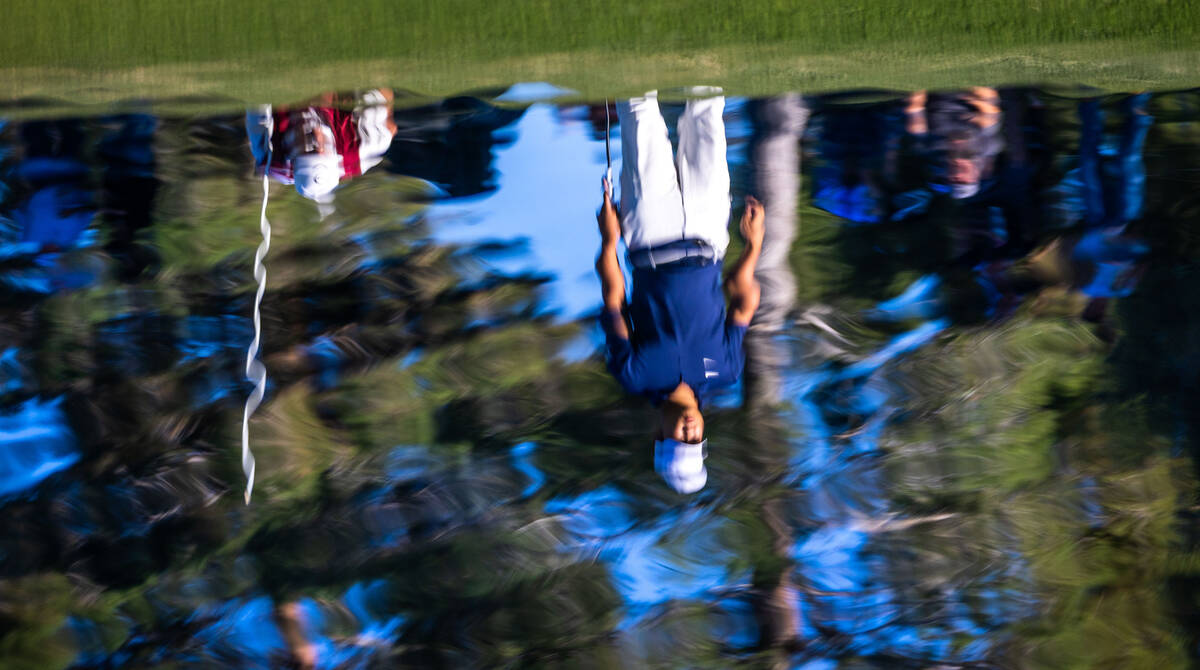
(965, 435)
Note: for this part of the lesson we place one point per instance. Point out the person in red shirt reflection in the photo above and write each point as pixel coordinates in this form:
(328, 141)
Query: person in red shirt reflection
(319, 145)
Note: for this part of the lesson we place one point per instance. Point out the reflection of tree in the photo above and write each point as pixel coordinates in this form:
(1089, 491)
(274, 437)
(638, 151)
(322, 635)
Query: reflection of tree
(1156, 363)
(1077, 487)
(151, 387)
(1043, 461)
(1007, 447)
(1008, 494)
(775, 161)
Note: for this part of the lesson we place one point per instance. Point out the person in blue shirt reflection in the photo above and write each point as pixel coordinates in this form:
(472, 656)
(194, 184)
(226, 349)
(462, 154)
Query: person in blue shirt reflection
(673, 340)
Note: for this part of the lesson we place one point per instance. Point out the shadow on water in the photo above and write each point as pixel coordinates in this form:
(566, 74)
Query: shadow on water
(964, 434)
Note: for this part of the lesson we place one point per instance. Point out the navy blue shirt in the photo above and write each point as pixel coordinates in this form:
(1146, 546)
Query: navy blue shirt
(678, 332)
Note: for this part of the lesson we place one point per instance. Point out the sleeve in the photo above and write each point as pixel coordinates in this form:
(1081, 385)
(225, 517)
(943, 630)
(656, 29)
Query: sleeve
(259, 125)
(375, 134)
(735, 356)
(618, 350)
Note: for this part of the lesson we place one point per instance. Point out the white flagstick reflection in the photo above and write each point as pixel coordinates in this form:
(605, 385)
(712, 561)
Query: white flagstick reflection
(255, 370)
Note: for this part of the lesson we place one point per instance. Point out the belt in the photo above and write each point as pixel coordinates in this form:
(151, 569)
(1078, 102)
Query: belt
(689, 252)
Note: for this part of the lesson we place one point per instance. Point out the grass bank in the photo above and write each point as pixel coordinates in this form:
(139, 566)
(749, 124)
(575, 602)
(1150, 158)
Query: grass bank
(82, 50)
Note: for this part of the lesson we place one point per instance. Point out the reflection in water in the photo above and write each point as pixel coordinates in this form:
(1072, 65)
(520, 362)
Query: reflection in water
(774, 163)
(672, 340)
(963, 434)
(317, 146)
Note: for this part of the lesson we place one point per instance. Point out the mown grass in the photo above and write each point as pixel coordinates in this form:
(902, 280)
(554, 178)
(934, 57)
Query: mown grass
(278, 50)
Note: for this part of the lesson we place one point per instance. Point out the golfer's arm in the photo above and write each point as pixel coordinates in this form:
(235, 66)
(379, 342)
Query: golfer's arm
(612, 286)
(742, 288)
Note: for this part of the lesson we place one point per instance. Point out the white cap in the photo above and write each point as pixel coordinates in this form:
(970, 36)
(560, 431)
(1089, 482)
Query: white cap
(960, 191)
(681, 464)
(316, 174)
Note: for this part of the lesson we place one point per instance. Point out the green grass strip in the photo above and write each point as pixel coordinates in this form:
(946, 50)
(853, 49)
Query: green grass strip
(97, 50)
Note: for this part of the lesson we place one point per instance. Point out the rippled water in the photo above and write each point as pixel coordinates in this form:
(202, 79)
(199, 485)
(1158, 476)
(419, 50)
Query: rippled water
(964, 437)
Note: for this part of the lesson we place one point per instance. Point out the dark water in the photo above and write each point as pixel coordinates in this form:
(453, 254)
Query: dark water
(965, 435)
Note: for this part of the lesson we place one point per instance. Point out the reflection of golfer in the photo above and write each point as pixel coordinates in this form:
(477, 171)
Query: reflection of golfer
(318, 146)
(673, 341)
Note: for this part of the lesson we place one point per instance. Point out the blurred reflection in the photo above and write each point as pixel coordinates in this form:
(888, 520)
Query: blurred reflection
(965, 434)
(129, 188)
(774, 162)
(161, 370)
(1106, 190)
(319, 145)
(672, 341)
(858, 173)
(52, 206)
(450, 143)
(964, 137)
(997, 218)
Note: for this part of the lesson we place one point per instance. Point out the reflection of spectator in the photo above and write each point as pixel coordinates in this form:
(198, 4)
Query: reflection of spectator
(678, 344)
(981, 150)
(1112, 178)
(1102, 193)
(863, 174)
(1105, 192)
(858, 149)
(986, 159)
(964, 135)
(128, 192)
(318, 146)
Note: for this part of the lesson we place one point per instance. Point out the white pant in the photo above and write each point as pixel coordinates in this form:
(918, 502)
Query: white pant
(665, 200)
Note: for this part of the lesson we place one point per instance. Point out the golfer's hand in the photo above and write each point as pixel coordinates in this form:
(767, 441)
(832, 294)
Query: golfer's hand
(752, 227)
(608, 219)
